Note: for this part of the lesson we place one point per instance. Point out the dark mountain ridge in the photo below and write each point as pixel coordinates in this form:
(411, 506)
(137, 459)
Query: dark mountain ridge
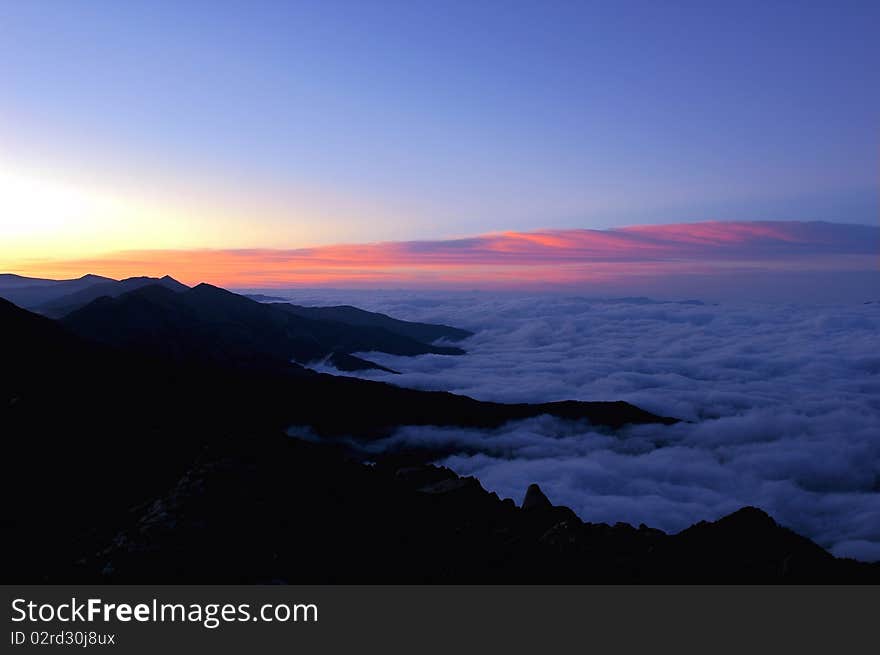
(209, 323)
(73, 301)
(426, 332)
(11, 280)
(91, 432)
(31, 292)
(121, 465)
(335, 341)
(286, 511)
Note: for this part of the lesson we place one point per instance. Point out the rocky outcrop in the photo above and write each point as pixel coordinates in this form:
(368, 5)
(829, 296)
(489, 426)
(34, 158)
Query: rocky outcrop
(305, 513)
(535, 498)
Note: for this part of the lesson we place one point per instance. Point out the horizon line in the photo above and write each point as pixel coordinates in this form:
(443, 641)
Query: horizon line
(538, 258)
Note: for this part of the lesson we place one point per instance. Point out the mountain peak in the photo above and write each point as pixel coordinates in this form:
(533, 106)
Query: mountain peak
(204, 286)
(753, 517)
(535, 498)
(205, 289)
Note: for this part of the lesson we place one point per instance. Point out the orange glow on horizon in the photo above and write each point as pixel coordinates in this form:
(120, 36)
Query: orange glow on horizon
(508, 259)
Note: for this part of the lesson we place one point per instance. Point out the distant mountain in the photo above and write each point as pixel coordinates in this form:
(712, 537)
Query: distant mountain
(212, 324)
(31, 292)
(71, 302)
(57, 298)
(12, 281)
(425, 332)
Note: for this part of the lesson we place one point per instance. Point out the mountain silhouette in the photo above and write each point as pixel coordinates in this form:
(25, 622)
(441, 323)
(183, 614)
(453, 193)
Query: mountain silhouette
(131, 461)
(66, 304)
(349, 315)
(32, 292)
(283, 510)
(13, 281)
(94, 430)
(212, 324)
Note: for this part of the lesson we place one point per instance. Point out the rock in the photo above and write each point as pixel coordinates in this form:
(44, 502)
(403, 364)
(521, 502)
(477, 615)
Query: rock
(451, 485)
(535, 498)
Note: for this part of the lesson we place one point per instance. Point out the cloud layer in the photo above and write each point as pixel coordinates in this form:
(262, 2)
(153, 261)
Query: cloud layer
(784, 404)
(642, 259)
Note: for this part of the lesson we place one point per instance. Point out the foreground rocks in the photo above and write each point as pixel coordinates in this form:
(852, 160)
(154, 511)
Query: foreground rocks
(293, 512)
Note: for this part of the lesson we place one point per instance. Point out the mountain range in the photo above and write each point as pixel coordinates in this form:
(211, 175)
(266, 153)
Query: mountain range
(146, 438)
(33, 292)
(169, 319)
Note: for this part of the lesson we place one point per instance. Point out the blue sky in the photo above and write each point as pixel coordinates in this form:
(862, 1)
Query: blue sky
(290, 124)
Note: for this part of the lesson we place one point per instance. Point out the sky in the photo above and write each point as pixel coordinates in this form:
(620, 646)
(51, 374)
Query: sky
(178, 127)
(751, 260)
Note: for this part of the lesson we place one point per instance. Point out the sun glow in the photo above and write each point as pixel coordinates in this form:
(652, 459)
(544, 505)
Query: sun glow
(50, 216)
(38, 208)
(39, 214)
(43, 216)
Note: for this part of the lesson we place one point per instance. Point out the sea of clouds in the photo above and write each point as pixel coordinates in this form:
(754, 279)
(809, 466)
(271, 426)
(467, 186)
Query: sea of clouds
(782, 404)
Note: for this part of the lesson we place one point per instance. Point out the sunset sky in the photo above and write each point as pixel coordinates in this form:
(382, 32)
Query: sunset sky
(242, 143)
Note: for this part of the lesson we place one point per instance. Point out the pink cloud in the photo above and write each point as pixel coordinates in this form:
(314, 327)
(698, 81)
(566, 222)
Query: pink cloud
(512, 259)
